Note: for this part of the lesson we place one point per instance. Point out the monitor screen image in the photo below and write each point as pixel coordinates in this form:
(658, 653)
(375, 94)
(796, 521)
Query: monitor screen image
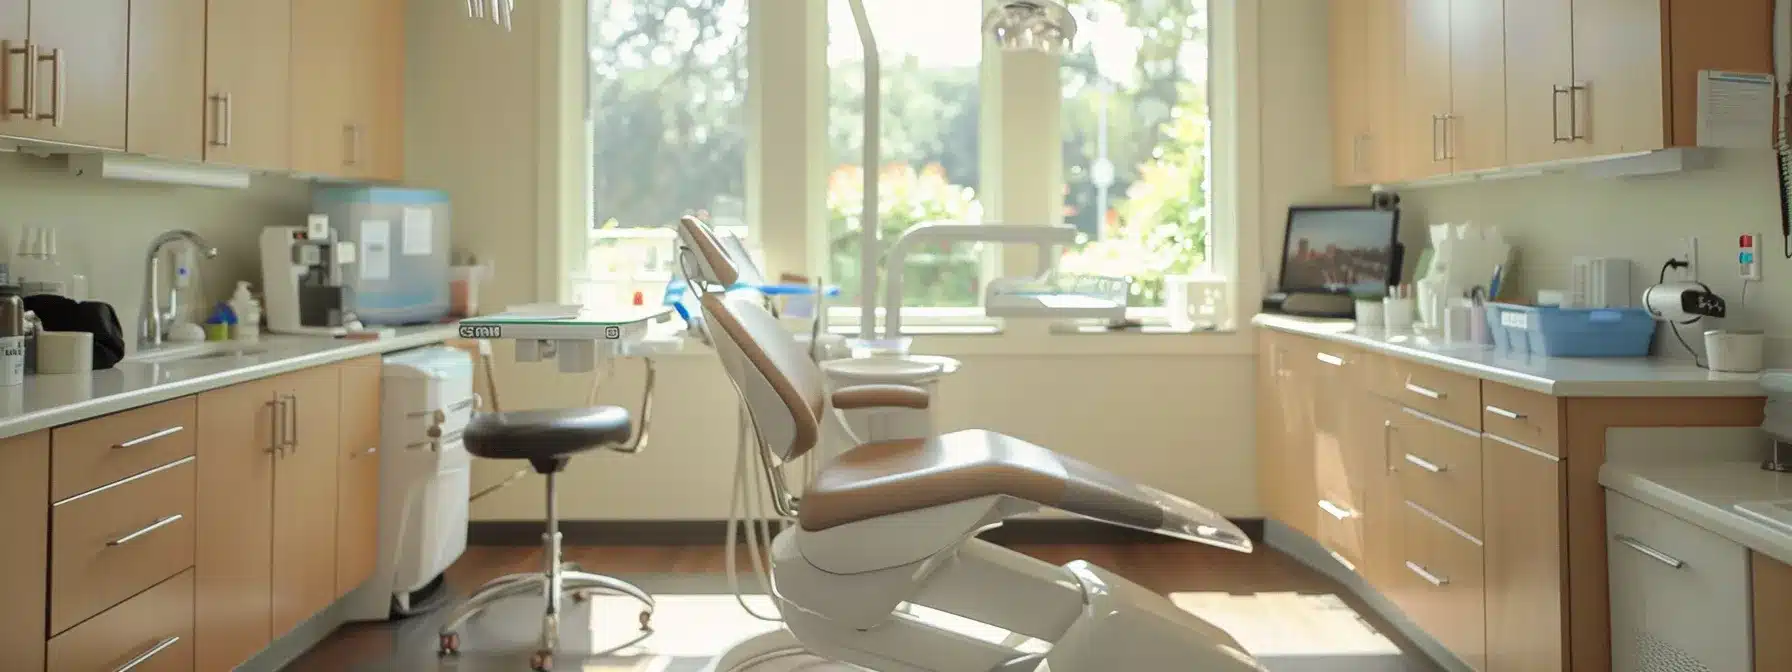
(1339, 250)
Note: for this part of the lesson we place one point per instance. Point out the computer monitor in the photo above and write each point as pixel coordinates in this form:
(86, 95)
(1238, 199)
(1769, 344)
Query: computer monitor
(1340, 250)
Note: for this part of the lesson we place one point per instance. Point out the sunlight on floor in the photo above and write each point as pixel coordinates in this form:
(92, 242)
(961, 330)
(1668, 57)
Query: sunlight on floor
(1289, 627)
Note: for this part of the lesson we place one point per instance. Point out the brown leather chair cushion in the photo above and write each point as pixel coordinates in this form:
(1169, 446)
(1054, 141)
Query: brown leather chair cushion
(880, 396)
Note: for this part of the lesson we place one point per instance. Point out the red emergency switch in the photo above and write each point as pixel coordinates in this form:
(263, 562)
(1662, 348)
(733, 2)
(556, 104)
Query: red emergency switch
(1746, 241)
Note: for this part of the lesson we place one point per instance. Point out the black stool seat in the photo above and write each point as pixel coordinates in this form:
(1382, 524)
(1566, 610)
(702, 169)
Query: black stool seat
(546, 437)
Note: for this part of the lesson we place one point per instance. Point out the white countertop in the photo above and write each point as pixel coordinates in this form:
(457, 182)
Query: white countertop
(46, 401)
(1557, 376)
(1704, 494)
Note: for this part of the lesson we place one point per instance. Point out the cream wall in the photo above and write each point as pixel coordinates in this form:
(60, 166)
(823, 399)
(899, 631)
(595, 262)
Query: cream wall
(104, 227)
(1553, 218)
(1143, 406)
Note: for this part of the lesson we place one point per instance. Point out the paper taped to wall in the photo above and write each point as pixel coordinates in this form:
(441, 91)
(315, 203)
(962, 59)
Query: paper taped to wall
(376, 249)
(419, 228)
(1735, 110)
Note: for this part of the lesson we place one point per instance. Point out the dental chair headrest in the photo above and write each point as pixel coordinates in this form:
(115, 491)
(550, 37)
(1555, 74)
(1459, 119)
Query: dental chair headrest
(713, 265)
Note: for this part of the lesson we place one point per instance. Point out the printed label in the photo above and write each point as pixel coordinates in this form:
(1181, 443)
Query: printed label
(481, 331)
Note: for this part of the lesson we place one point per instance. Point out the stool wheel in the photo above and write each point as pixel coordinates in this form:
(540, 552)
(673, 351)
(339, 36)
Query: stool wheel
(449, 644)
(541, 661)
(646, 620)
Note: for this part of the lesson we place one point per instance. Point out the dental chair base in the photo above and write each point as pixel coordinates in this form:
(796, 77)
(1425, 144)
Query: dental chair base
(839, 599)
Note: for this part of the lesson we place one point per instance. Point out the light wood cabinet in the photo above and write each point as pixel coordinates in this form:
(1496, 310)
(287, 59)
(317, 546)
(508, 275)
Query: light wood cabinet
(358, 486)
(1539, 81)
(24, 559)
(166, 96)
(15, 29)
(1382, 504)
(305, 477)
(1424, 90)
(1350, 91)
(1526, 568)
(1475, 129)
(1336, 452)
(1772, 586)
(76, 92)
(239, 433)
(247, 77)
(153, 629)
(1442, 588)
(1285, 473)
(347, 88)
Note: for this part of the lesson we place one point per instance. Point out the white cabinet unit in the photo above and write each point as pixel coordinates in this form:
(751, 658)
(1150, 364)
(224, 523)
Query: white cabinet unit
(1679, 594)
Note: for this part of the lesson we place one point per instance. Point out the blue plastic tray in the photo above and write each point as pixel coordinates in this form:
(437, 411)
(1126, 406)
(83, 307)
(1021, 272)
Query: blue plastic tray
(1556, 332)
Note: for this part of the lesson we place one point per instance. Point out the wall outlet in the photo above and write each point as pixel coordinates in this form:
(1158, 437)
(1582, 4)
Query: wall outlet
(1691, 256)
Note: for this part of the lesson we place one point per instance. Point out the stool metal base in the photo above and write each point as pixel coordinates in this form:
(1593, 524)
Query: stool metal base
(557, 579)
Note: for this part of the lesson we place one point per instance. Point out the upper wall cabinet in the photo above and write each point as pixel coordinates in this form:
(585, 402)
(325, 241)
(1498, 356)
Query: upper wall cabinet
(347, 88)
(167, 79)
(248, 52)
(1486, 84)
(64, 66)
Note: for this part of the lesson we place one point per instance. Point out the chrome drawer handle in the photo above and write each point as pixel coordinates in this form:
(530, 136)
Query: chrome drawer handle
(1335, 511)
(146, 438)
(1425, 464)
(1509, 415)
(1425, 574)
(1333, 360)
(369, 451)
(1644, 549)
(170, 520)
(146, 655)
(1424, 391)
(1342, 560)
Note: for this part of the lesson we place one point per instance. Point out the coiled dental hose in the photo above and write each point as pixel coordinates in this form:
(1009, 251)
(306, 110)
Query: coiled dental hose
(746, 508)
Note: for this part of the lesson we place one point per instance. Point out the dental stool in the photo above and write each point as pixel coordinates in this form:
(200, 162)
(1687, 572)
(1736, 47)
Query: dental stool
(548, 439)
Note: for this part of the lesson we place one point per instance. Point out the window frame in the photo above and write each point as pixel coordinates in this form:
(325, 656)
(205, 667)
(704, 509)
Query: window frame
(796, 233)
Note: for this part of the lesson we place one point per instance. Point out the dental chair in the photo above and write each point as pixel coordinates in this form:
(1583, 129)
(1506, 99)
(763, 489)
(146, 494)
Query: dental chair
(890, 525)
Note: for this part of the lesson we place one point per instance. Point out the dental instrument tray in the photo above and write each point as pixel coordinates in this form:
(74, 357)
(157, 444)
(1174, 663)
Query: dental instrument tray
(1058, 296)
(566, 323)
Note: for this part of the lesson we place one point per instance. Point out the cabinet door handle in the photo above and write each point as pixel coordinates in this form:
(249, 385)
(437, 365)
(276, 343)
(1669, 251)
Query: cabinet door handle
(1426, 392)
(364, 453)
(1333, 360)
(146, 438)
(1509, 415)
(1387, 444)
(1426, 574)
(1653, 554)
(27, 76)
(159, 524)
(1449, 147)
(276, 439)
(292, 411)
(58, 87)
(1575, 91)
(1555, 114)
(1425, 464)
(221, 117)
(1336, 511)
(141, 658)
(1436, 151)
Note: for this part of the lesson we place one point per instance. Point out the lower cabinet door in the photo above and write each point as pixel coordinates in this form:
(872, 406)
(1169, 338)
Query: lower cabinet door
(151, 632)
(1679, 594)
(1443, 589)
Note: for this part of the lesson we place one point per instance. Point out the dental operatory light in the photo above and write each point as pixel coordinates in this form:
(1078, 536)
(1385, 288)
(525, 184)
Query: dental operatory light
(497, 10)
(1031, 25)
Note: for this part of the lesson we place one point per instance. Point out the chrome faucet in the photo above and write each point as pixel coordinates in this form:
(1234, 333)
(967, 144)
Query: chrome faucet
(152, 321)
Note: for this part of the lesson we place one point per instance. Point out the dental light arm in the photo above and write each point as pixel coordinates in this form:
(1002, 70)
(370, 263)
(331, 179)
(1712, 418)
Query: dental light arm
(868, 246)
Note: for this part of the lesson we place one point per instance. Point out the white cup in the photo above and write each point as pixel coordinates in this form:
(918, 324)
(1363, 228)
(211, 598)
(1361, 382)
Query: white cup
(64, 352)
(1734, 351)
(1368, 313)
(1396, 314)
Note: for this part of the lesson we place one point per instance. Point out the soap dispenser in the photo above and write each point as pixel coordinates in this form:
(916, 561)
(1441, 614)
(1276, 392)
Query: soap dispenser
(248, 313)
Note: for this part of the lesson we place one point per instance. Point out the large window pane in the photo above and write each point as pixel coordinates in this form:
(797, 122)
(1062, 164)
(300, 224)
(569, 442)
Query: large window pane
(1135, 126)
(932, 55)
(668, 94)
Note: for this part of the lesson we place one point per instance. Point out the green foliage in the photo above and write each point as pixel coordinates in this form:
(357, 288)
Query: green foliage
(944, 275)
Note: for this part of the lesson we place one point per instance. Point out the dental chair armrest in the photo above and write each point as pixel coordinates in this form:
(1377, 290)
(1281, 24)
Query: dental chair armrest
(860, 397)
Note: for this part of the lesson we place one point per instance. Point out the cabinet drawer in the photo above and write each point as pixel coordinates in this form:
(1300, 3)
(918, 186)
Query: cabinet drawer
(1438, 466)
(105, 450)
(154, 630)
(1520, 415)
(113, 543)
(1451, 396)
(1443, 586)
(1341, 532)
(1677, 591)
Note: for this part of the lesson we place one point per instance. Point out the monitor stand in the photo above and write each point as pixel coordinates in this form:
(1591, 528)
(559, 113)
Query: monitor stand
(1311, 304)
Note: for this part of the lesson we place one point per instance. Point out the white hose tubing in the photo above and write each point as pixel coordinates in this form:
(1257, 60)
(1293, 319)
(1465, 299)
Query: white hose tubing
(745, 507)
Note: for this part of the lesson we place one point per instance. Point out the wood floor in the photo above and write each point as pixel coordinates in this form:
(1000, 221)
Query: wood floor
(1162, 567)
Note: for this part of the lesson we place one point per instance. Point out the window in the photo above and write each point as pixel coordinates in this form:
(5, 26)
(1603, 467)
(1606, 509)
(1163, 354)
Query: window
(1135, 128)
(668, 89)
(932, 54)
